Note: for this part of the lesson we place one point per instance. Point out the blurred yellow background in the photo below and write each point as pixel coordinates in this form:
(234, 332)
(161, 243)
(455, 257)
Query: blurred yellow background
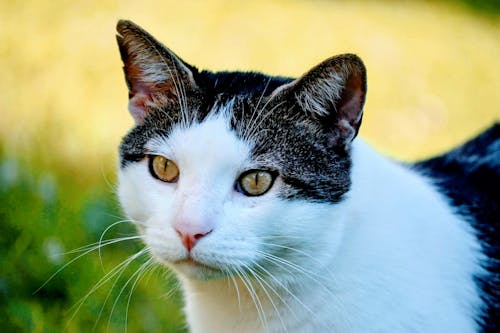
(433, 82)
(434, 69)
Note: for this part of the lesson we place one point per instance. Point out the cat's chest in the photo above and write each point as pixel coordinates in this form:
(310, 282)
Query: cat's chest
(251, 306)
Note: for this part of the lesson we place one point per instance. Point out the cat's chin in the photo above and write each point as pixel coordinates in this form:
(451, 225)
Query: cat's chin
(195, 270)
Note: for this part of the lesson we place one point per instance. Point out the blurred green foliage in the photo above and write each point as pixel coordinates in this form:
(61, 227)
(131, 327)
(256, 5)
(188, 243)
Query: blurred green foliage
(42, 213)
(488, 7)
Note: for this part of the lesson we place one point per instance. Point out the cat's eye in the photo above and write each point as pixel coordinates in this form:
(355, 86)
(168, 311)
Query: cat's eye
(255, 182)
(163, 168)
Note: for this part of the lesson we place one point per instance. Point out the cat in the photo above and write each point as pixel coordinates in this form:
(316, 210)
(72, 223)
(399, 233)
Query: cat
(256, 191)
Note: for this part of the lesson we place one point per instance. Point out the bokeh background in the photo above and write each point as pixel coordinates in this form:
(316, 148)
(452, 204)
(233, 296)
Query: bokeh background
(434, 81)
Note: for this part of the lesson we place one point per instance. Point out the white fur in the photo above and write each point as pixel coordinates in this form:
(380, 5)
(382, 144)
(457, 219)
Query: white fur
(390, 258)
(319, 97)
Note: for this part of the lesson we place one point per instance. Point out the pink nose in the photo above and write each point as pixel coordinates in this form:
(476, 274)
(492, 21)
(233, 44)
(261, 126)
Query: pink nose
(190, 234)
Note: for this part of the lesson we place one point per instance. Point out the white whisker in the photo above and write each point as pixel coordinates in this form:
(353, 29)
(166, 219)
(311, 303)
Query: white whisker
(92, 248)
(261, 282)
(254, 296)
(288, 291)
(314, 277)
(117, 269)
(144, 267)
(145, 250)
(96, 245)
(230, 278)
(256, 109)
(255, 127)
(102, 236)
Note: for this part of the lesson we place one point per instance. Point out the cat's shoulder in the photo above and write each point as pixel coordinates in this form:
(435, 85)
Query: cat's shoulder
(469, 176)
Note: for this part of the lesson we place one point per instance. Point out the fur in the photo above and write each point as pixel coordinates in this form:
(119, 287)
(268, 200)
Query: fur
(344, 241)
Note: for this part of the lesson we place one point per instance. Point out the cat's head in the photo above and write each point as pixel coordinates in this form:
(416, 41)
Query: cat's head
(230, 172)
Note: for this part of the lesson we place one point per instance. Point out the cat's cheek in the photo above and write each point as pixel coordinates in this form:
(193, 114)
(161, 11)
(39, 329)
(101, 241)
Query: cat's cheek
(129, 194)
(164, 244)
(139, 193)
(129, 203)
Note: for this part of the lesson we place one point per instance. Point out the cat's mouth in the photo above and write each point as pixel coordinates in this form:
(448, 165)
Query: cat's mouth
(197, 269)
(190, 262)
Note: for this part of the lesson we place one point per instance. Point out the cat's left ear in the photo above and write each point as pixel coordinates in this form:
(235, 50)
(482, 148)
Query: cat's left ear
(154, 74)
(333, 93)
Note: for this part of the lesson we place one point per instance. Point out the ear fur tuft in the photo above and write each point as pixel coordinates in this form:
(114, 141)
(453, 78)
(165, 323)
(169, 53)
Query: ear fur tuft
(334, 93)
(153, 73)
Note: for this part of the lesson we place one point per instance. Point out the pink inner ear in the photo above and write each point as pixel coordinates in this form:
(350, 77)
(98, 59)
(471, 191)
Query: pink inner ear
(351, 109)
(137, 106)
(351, 104)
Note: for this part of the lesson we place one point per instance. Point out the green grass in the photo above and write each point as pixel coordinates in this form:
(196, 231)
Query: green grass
(42, 216)
(433, 71)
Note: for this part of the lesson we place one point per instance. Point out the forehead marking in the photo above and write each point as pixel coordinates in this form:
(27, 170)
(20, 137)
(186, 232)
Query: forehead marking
(207, 143)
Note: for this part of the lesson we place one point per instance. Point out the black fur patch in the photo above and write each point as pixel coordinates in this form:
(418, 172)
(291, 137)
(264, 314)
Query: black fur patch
(285, 137)
(288, 139)
(470, 177)
(302, 130)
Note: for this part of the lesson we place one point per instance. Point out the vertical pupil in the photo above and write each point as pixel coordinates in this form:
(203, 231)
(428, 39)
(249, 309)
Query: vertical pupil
(256, 179)
(164, 169)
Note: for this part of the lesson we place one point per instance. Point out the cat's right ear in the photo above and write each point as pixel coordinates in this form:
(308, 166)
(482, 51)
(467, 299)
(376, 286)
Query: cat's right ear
(155, 75)
(333, 94)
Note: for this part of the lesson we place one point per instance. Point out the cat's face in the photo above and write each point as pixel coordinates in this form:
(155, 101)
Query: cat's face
(235, 173)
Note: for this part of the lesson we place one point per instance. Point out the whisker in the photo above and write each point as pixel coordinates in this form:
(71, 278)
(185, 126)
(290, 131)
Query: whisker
(124, 287)
(256, 110)
(307, 273)
(253, 295)
(228, 273)
(172, 291)
(179, 87)
(263, 93)
(285, 262)
(175, 80)
(102, 236)
(117, 269)
(76, 258)
(260, 281)
(118, 217)
(256, 126)
(141, 271)
(96, 245)
(287, 290)
(111, 187)
(305, 254)
(278, 236)
(121, 271)
(166, 275)
(154, 268)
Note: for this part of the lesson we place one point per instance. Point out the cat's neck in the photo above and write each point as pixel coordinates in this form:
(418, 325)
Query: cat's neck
(249, 305)
(390, 217)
